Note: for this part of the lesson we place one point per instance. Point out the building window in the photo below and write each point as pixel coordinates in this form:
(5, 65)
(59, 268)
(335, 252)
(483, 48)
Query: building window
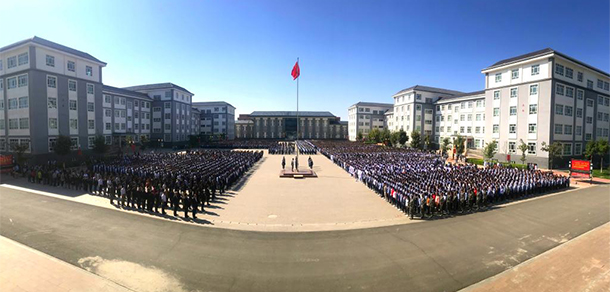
(72, 104)
(11, 62)
(567, 129)
(533, 109)
(512, 147)
(90, 106)
(531, 148)
(498, 77)
(13, 124)
(496, 112)
(513, 110)
(531, 128)
(568, 110)
(589, 120)
(567, 148)
(569, 92)
(13, 103)
(578, 112)
(589, 102)
(52, 123)
(559, 89)
(513, 92)
(578, 131)
(11, 83)
(515, 73)
(589, 84)
(50, 61)
(51, 82)
(24, 102)
(71, 85)
(88, 71)
(512, 128)
(23, 59)
(71, 66)
(579, 76)
(559, 109)
(535, 70)
(580, 94)
(89, 88)
(606, 86)
(559, 69)
(91, 124)
(558, 129)
(52, 102)
(74, 124)
(24, 123)
(22, 80)
(74, 143)
(577, 149)
(600, 84)
(534, 89)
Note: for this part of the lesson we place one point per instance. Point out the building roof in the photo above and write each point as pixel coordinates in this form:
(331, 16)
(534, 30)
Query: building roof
(379, 104)
(430, 89)
(113, 89)
(53, 45)
(539, 53)
(465, 95)
(212, 103)
(389, 112)
(154, 86)
(291, 114)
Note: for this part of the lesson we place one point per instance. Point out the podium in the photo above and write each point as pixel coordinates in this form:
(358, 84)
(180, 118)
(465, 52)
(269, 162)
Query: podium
(304, 173)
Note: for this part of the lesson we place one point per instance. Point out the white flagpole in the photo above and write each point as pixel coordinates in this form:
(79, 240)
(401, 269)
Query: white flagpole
(298, 122)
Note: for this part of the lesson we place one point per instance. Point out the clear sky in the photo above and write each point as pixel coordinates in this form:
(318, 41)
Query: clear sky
(242, 52)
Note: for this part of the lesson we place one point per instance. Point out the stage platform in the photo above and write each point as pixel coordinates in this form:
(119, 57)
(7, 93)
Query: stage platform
(303, 173)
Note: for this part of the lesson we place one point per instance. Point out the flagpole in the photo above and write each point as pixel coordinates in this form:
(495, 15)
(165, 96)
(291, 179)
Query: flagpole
(298, 121)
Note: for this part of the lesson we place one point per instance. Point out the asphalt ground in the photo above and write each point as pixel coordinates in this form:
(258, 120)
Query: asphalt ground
(439, 255)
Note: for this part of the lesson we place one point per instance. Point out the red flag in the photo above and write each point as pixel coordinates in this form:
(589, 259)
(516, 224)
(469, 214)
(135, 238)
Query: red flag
(295, 71)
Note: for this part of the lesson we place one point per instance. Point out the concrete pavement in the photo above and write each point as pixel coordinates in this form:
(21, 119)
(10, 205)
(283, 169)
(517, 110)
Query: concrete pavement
(439, 255)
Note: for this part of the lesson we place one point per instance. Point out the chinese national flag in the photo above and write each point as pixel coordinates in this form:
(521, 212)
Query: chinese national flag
(295, 71)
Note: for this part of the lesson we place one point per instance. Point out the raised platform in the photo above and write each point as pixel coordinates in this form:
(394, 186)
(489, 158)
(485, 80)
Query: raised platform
(303, 173)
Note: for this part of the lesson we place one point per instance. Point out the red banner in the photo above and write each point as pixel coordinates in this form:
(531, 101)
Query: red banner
(6, 163)
(581, 165)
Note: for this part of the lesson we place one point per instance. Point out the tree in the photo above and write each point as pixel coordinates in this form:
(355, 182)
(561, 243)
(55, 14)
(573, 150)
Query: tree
(403, 137)
(62, 145)
(385, 136)
(415, 140)
(193, 141)
(490, 150)
(458, 143)
(590, 149)
(602, 150)
(359, 136)
(427, 141)
(445, 145)
(523, 148)
(143, 142)
(19, 150)
(374, 136)
(554, 149)
(395, 138)
(99, 144)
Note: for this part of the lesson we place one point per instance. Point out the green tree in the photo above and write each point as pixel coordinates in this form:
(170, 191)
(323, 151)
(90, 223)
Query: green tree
(427, 141)
(403, 137)
(415, 140)
(374, 136)
(523, 148)
(359, 136)
(445, 145)
(193, 141)
(385, 136)
(602, 150)
(143, 142)
(62, 145)
(99, 144)
(395, 138)
(490, 150)
(554, 149)
(590, 149)
(458, 143)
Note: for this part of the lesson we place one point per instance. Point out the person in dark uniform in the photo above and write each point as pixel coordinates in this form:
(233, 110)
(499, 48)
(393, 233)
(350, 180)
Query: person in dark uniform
(185, 203)
(296, 163)
(283, 162)
(175, 201)
(292, 164)
(310, 161)
(193, 201)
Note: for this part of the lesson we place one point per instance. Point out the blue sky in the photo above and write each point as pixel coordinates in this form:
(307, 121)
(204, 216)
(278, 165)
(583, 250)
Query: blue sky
(243, 51)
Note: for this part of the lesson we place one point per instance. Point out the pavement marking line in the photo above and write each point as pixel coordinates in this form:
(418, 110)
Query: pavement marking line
(485, 284)
(25, 267)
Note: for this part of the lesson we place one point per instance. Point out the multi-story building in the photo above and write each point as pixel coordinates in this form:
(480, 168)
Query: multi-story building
(171, 112)
(414, 108)
(216, 118)
(126, 114)
(283, 125)
(365, 116)
(56, 88)
(462, 115)
(546, 96)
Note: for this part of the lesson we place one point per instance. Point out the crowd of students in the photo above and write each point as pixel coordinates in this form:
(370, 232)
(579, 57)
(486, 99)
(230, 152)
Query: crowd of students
(421, 183)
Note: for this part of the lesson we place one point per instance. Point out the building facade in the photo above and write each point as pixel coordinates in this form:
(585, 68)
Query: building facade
(365, 116)
(283, 125)
(462, 115)
(56, 88)
(216, 118)
(126, 115)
